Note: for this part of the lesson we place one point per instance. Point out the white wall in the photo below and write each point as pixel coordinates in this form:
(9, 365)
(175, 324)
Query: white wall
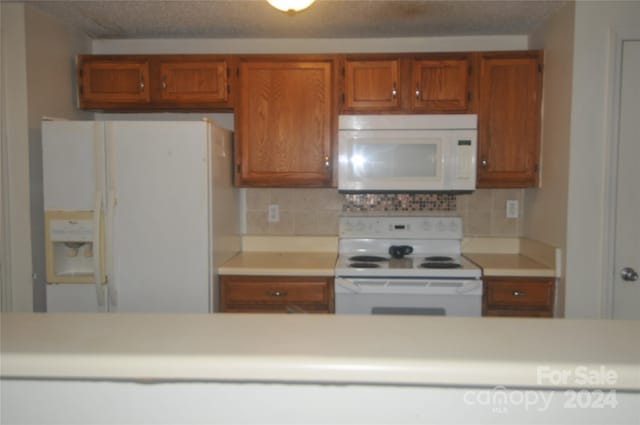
(51, 49)
(546, 208)
(16, 235)
(589, 150)
(37, 80)
(318, 45)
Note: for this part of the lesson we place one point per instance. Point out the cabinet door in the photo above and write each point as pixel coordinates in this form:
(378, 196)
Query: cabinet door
(372, 85)
(518, 296)
(441, 85)
(110, 83)
(285, 123)
(194, 82)
(509, 120)
(276, 294)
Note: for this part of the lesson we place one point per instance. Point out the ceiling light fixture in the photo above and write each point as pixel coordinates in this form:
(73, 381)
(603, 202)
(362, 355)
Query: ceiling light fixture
(291, 6)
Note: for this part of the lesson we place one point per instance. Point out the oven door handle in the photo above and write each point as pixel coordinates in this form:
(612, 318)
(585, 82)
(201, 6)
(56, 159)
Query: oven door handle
(404, 286)
(355, 286)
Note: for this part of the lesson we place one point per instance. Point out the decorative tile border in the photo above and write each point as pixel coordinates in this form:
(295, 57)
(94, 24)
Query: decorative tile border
(400, 202)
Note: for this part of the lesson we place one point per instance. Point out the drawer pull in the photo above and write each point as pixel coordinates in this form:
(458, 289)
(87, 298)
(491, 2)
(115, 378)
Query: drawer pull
(277, 293)
(519, 293)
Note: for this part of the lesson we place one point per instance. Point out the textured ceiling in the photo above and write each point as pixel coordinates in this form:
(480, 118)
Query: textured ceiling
(325, 18)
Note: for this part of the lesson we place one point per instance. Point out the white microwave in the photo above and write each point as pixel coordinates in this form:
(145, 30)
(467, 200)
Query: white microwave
(407, 153)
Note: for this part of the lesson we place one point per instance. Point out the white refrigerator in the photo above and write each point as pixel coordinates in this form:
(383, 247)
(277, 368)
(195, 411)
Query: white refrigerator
(139, 215)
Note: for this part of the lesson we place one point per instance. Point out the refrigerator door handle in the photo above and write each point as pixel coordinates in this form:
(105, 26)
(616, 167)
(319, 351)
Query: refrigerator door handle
(97, 249)
(111, 190)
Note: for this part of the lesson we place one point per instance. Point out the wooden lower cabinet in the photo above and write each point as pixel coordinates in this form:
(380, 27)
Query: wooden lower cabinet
(518, 296)
(276, 294)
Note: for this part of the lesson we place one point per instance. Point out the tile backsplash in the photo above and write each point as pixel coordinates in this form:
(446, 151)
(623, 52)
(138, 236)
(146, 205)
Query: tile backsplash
(399, 202)
(310, 212)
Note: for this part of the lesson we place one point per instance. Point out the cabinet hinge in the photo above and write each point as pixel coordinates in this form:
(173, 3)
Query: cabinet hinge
(80, 90)
(469, 96)
(228, 72)
(238, 168)
(228, 89)
(540, 67)
(536, 168)
(342, 97)
(470, 70)
(237, 71)
(342, 71)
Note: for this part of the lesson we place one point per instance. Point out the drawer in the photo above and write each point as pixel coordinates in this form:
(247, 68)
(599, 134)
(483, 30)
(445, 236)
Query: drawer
(267, 290)
(519, 292)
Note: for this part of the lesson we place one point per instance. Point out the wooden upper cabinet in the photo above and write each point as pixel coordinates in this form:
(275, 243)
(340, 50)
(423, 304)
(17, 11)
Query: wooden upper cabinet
(509, 119)
(285, 121)
(408, 83)
(372, 84)
(193, 81)
(112, 82)
(154, 82)
(441, 85)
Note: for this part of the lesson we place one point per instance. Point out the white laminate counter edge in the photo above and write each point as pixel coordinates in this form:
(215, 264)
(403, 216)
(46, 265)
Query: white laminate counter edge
(425, 351)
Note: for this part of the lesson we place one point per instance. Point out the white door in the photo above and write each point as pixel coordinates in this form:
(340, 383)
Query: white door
(626, 284)
(159, 251)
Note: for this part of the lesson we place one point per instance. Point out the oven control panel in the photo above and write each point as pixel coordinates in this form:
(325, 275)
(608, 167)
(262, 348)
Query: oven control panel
(401, 227)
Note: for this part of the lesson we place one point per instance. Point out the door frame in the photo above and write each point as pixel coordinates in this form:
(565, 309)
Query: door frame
(612, 122)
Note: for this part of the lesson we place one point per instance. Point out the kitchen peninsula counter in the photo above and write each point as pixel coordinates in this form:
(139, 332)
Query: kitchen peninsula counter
(302, 368)
(308, 348)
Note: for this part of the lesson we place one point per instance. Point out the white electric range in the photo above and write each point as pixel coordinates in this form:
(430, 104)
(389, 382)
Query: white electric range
(405, 265)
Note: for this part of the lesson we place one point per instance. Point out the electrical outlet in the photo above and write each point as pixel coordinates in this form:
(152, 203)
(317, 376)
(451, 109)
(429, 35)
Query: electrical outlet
(274, 213)
(513, 210)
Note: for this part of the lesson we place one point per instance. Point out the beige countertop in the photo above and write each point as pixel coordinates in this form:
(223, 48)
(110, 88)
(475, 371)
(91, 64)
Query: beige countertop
(316, 256)
(510, 265)
(394, 350)
(280, 264)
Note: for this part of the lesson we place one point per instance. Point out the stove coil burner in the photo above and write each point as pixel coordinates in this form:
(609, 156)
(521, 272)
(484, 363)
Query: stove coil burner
(440, 265)
(438, 258)
(364, 265)
(368, 258)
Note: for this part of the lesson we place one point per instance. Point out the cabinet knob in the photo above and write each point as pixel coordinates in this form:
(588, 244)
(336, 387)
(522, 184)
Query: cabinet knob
(394, 90)
(484, 162)
(417, 91)
(519, 293)
(326, 161)
(141, 84)
(277, 293)
(164, 83)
